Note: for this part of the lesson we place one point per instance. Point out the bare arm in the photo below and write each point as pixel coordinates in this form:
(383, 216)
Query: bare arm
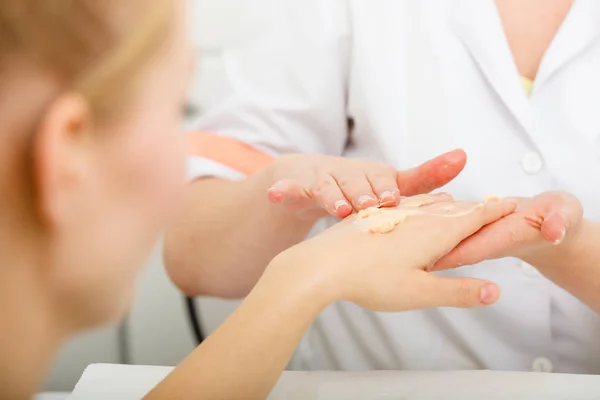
(244, 358)
(229, 231)
(575, 266)
(235, 365)
(263, 108)
(549, 232)
(227, 235)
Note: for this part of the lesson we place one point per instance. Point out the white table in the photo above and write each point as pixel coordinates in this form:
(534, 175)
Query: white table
(52, 396)
(103, 381)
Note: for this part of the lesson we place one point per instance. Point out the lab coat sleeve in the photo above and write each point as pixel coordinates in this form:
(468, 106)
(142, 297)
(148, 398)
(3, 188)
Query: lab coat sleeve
(285, 84)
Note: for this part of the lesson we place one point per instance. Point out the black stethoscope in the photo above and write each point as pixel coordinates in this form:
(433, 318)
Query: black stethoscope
(194, 319)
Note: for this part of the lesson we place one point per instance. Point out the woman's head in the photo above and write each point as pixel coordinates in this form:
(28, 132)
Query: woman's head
(91, 161)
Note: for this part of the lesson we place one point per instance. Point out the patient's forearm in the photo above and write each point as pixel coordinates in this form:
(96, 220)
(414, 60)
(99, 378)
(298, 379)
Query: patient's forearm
(244, 358)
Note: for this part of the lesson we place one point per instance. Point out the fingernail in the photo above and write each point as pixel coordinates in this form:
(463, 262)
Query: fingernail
(387, 197)
(339, 204)
(274, 194)
(563, 233)
(487, 294)
(365, 199)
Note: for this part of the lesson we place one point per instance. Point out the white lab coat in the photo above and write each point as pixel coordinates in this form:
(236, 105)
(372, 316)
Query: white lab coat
(419, 78)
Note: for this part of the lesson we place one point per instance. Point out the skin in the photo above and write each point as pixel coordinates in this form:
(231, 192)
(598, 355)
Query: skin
(561, 244)
(343, 263)
(382, 220)
(203, 255)
(89, 199)
(547, 231)
(530, 27)
(102, 194)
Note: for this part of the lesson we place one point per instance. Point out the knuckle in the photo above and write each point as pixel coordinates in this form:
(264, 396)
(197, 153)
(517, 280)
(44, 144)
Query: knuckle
(354, 186)
(323, 184)
(466, 294)
(344, 180)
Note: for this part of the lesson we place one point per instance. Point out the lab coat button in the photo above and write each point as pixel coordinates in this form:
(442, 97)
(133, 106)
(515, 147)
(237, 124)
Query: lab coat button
(532, 163)
(542, 364)
(529, 269)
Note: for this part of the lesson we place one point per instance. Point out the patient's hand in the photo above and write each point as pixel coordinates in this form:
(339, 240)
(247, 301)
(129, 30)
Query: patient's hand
(541, 222)
(388, 271)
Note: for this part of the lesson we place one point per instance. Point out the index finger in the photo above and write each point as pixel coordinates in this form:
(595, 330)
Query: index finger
(483, 214)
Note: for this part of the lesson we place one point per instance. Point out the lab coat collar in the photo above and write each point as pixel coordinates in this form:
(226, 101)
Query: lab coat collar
(579, 30)
(477, 24)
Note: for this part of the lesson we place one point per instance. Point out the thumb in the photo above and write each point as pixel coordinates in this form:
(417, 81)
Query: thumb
(554, 227)
(460, 292)
(432, 174)
(561, 220)
(557, 215)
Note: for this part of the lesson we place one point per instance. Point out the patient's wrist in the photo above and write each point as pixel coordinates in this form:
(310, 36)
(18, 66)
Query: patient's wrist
(293, 280)
(569, 253)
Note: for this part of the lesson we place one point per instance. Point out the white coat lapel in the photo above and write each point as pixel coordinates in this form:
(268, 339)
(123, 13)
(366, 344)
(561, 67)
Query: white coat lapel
(579, 30)
(569, 73)
(478, 25)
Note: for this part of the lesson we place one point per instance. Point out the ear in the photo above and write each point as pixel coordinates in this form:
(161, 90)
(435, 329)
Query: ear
(59, 157)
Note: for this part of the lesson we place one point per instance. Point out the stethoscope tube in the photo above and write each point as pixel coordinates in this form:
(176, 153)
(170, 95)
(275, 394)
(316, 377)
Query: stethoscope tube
(194, 319)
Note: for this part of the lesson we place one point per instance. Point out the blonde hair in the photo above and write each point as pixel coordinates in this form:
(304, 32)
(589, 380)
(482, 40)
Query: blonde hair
(96, 48)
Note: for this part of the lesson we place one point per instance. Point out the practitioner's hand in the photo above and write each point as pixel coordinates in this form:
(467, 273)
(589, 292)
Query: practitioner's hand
(315, 186)
(541, 223)
(389, 272)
